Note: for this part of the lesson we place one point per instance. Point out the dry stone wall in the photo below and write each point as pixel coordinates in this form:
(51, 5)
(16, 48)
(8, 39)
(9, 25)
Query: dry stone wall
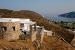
(42, 35)
(9, 30)
(33, 36)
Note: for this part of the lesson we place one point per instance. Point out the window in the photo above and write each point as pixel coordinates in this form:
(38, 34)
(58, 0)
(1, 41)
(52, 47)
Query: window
(25, 33)
(4, 28)
(14, 28)
(52, 34)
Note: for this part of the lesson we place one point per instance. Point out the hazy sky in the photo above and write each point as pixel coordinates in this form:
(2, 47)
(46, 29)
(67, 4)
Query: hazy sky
(40, 6)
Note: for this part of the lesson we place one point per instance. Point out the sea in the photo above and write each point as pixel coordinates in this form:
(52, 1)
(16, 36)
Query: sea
(58, 18)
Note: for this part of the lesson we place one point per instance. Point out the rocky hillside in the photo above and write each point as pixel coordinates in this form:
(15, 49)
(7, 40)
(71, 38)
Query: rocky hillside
(41, 21)
(56, 43)
(68, 15)
(49, 43)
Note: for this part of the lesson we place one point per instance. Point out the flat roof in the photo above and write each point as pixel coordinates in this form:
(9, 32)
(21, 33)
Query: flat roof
(9, 19)
(27, 22)
(47, 31)
(37, 26)
(24, 21)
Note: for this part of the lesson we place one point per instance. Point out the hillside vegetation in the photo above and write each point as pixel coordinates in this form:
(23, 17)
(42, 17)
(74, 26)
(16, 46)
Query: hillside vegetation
(5, 11)
(56, 43)
(41, 21)
(49, 43)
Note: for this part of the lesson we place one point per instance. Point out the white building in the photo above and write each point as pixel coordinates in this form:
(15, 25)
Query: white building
(49, 33)
(24, 23)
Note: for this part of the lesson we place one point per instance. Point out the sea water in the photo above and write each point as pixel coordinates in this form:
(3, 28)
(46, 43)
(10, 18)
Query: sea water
(58, 18)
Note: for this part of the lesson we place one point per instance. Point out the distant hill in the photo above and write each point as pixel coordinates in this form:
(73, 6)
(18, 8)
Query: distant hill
(41, 21)
(68, 15)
